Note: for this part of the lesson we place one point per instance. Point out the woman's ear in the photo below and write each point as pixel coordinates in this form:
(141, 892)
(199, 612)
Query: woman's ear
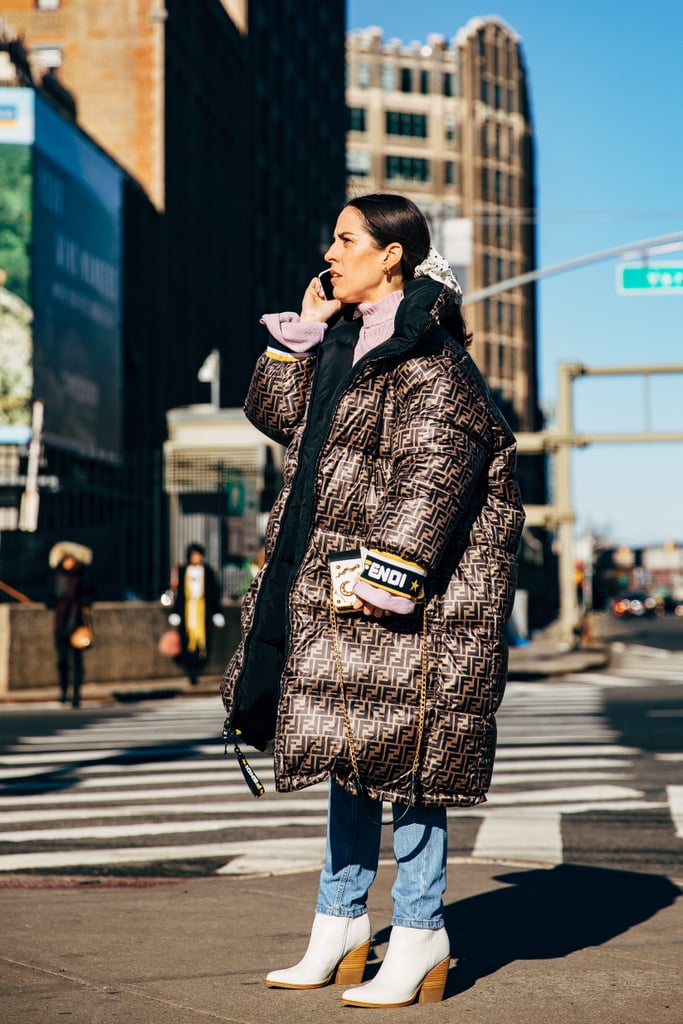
(393, 255)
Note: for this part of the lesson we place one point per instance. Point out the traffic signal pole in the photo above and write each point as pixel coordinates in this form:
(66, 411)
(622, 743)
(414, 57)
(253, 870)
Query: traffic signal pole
(560, 515)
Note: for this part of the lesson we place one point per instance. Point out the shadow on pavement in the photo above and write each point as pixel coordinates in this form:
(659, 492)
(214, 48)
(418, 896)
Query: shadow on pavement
(37, 781)
(547, 914)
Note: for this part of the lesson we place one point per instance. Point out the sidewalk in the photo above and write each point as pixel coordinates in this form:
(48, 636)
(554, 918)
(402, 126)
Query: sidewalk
(529, 945)
(541, 657)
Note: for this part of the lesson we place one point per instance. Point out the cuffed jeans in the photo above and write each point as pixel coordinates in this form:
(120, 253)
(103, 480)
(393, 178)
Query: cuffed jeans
(354, 831)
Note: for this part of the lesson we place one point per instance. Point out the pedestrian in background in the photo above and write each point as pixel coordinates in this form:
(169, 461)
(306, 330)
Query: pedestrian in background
(396, 450)
(71, 598)
(196, 611)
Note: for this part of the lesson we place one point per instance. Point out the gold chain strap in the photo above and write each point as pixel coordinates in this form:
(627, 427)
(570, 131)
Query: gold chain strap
(423, 690)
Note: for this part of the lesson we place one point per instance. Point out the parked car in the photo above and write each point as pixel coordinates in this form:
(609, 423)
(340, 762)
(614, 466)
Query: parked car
(635, 604)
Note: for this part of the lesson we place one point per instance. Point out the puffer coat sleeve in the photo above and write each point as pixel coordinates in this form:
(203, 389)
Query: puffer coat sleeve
(285, 378)
(440, 442)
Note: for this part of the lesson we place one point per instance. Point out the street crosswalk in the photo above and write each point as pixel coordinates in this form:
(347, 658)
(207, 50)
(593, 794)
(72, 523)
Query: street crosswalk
(153, 787)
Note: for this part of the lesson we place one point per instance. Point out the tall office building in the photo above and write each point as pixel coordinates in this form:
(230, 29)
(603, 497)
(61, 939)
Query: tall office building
(450, 126)
(230, 115)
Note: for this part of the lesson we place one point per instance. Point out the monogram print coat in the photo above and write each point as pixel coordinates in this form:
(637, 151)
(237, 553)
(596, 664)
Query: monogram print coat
(405, 454)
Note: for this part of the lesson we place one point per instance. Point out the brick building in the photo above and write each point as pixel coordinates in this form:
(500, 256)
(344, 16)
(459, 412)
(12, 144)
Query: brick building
(450, 126)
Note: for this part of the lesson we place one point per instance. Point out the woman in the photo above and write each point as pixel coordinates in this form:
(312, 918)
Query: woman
(70, 600)
(393, 445)
(197, 610)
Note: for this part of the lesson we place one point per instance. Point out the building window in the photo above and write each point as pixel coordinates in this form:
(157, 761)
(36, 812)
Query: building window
(484, 91)
(388, 77)
(447, 83)
(48, 5)
(363, 75)
(401, 123)
(424, 82)
(47, 58)
(358, 163)
(449, 127)
(406, 80)
(499, 187)
(355, 119)
(408, 168)
(449, 173)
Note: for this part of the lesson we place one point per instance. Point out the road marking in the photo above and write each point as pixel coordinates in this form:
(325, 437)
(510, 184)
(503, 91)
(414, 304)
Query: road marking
(310, 849)
(578, 750)
(513, 834)
(567, 794)
(157, 828)
(262, 806)
(675, 796)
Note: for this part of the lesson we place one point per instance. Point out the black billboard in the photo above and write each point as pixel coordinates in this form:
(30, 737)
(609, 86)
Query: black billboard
(76, 288)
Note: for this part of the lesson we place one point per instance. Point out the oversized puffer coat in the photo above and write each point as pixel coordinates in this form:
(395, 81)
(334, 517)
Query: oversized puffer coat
(405, 454)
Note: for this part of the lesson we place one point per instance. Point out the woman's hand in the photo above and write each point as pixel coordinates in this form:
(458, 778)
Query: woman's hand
(369, 609)
(315, 307)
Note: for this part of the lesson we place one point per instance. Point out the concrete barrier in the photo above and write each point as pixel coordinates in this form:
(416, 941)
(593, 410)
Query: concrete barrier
(125, 649)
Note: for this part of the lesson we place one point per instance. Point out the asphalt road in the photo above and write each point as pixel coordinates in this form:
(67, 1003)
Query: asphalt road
(589, 771)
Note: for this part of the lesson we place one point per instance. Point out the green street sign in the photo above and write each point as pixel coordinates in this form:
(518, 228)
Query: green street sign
(632, 280)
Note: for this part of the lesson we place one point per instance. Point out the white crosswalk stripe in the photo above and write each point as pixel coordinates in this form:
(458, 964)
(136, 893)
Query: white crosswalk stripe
(104, 794)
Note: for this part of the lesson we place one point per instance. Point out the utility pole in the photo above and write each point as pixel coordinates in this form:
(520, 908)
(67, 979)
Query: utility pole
(30, 499)
(560, 515)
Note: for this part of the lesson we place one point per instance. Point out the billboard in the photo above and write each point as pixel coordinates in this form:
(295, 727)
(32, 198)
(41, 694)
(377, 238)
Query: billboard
(60, 257)
(16, 314)
(77, 251)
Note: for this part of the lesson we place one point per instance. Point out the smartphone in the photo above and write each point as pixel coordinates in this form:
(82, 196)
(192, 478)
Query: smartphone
(326, 282)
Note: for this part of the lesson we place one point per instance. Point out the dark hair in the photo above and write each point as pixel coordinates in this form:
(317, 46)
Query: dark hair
(393, 218)
(191, 548)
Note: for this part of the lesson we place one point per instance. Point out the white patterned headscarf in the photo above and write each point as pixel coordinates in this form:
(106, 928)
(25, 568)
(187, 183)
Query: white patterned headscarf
(437, 267)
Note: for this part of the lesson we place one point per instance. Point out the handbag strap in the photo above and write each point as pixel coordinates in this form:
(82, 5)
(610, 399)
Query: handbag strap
(424, 657)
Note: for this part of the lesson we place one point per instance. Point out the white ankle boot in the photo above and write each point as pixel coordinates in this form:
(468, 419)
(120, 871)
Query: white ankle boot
(416, 961)
(338, 948)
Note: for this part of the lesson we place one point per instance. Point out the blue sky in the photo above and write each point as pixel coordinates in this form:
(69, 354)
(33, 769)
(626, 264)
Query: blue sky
(605, 89)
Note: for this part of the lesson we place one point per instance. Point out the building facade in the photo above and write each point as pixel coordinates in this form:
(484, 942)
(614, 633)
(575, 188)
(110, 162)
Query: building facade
(450, 126)
(230, 117)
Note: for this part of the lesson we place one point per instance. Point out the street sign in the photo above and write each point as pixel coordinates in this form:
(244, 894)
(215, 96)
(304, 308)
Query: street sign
(649, 280)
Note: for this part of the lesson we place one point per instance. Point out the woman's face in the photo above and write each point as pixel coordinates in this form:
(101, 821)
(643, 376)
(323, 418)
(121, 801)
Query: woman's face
(356, 264)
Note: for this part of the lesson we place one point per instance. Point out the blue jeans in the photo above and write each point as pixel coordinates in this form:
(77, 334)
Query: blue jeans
(352, 854)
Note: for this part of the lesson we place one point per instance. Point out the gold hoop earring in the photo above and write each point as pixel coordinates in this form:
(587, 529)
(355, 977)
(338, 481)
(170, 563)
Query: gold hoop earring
(387, 273)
